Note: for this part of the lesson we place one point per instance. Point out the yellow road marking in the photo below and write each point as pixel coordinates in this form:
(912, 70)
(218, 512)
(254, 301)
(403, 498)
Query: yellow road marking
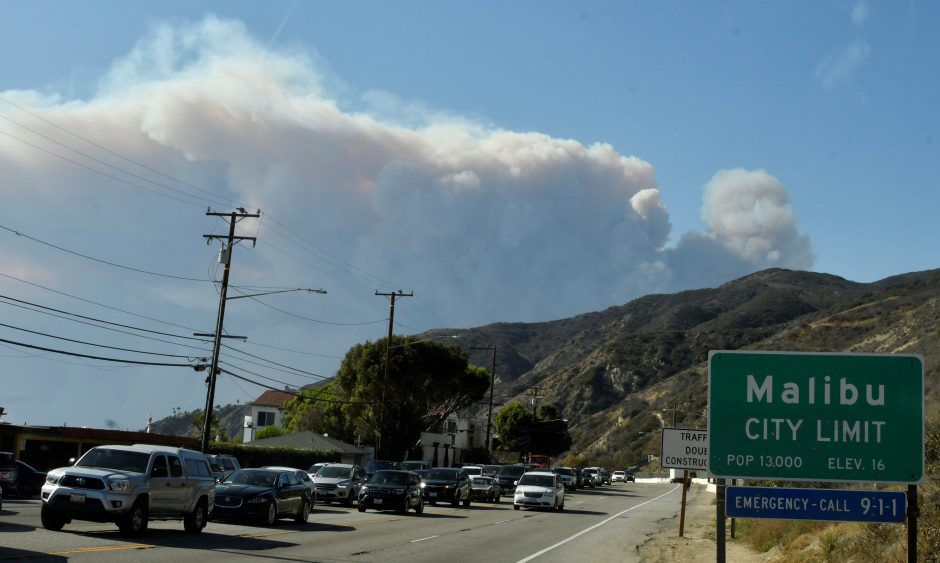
(103, 548)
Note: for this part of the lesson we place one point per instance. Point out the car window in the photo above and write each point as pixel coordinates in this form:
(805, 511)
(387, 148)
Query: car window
(159, 467)
(539, 480)
(290, 478)
(120, 460)
(334, 472)
(176, 467)
(197, 468)
(442, 473)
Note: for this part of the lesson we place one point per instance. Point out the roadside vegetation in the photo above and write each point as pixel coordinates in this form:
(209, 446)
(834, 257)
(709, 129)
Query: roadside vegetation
(788, 541)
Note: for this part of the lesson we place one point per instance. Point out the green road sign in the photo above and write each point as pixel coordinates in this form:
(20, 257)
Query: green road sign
(816, 417)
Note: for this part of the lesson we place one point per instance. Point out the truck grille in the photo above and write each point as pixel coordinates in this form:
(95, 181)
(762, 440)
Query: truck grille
(78, 482)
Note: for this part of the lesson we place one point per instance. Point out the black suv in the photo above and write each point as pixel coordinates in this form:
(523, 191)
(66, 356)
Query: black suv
(507, 477)
(7, 473)
(447, 484)
(392, 490)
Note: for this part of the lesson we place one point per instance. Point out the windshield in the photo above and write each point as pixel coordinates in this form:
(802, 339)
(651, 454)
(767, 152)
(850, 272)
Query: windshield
(388, 478)
(483, 481)
(442, 474)
(473, 470)
(334, 472)
(379, 465)
(563, 470)
(537, 481)
(413, 465)
(255, 477)
(511, 471)
(119, 460)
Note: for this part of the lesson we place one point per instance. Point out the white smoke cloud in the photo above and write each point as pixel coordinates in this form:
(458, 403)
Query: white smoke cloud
(486, 224)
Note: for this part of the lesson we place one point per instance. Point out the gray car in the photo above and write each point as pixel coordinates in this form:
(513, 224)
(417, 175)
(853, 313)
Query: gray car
(339, 482)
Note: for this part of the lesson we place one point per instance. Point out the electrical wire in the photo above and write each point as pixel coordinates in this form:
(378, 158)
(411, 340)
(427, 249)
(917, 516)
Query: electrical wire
(101, 358)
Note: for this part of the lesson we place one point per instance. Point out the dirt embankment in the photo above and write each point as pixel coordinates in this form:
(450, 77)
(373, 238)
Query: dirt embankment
(698, 543)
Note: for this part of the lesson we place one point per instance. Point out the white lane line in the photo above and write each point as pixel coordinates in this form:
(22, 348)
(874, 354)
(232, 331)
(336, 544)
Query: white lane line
(598, 525)
(427, 538)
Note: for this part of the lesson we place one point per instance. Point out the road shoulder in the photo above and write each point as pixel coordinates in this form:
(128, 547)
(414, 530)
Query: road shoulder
(698, 542)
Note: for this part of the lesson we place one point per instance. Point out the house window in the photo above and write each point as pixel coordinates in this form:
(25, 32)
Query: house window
(265, 418)
(451, 427)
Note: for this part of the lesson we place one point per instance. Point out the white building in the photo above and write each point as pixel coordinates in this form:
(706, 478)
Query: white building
(266, 410)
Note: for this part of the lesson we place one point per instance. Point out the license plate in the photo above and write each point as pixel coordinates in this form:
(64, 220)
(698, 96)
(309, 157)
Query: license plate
(432, 494)
(377, 501)
(77, 497)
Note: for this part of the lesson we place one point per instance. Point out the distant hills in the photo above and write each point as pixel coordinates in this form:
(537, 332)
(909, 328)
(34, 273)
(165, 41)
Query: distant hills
(619, 374)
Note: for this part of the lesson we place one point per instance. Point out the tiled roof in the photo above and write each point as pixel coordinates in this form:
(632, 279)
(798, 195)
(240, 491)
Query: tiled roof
(273, 399)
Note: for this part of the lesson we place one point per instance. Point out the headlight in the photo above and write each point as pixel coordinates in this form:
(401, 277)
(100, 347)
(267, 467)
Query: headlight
(256, 500)
(53, 478)
(450, 486)
(119, 485)
(423, 484)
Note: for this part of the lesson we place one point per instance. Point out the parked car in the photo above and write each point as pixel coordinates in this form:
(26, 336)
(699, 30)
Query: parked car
(568, 477)
(447, 484)
(29, 480)
(628, 476)
(131, 485)
(263, 495)
(389, 489)
(605, 476)
(540, 489)
(303, 477)
(617, 476)
(484, 488)
(339, 482)
(7, 473)
(472, 470)
(507, 477)
(222, 465)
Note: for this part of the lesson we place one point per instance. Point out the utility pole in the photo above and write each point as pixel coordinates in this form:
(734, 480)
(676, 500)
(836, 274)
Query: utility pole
(535, 399)
(388, 346)
(225, 256)
(489, 416)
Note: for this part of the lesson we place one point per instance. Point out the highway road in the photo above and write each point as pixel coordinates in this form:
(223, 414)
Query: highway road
(604, 524)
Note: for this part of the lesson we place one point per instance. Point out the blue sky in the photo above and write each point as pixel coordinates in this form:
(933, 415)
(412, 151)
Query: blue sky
(519, 161)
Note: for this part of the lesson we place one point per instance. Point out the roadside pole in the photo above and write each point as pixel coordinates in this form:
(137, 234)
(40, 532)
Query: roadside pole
(720, 520)
(685, 487)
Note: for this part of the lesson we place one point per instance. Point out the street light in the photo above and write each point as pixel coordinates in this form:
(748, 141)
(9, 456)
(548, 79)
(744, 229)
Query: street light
(217, 345)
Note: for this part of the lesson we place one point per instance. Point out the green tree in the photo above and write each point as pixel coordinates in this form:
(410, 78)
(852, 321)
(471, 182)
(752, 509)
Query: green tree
(427, 381)
(216, 433)
(521, 432)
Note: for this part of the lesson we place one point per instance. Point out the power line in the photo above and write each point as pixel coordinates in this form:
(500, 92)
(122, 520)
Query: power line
(92, 343)
(102, 358)
(99, 260)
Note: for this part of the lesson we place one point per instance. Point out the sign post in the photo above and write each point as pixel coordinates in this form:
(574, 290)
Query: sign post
(684, 448)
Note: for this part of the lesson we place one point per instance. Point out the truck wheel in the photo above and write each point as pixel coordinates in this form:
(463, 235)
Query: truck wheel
(195, 521)
(51, 520)
(362, 507)
(466, 501)
(134, 522)
(420, 508)
(349, 499)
